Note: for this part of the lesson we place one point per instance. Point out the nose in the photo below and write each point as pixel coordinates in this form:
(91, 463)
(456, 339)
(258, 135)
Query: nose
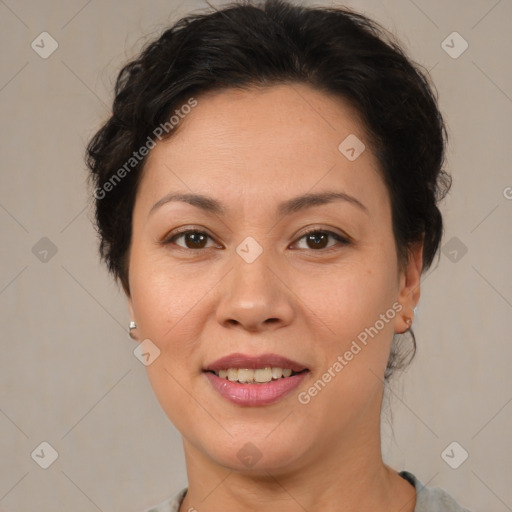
(254, 297)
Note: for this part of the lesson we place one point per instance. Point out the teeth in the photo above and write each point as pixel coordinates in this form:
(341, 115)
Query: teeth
(248, 376)
(277, 373)
(263, 375)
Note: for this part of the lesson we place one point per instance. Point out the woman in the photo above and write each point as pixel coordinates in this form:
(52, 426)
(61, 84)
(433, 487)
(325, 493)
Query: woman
(266, 193)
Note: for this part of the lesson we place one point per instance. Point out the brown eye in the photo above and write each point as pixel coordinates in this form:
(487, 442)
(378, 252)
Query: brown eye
(193, 239)
(318, 239)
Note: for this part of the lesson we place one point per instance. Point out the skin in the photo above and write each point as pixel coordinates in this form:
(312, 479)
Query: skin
(251, 150)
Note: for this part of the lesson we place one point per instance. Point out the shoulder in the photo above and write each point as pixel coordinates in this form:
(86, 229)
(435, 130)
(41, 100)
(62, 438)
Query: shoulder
(432, 499)
(171, 504)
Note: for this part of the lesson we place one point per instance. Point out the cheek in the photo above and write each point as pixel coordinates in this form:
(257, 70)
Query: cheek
(166, 309)
(354, 298)
(164, 295)
(359, 305)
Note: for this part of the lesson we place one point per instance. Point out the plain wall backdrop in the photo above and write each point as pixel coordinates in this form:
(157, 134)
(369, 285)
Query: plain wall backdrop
(68, 375)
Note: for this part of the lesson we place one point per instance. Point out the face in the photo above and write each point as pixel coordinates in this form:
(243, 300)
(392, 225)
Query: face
(250, 280)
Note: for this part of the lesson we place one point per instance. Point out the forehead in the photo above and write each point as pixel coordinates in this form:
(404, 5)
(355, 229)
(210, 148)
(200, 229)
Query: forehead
(287, 116)
(265, 141)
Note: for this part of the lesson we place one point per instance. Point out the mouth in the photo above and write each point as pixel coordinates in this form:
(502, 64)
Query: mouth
(255, 380)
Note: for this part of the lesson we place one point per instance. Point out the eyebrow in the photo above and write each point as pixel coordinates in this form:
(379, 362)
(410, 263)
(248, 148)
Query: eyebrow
(295, 204)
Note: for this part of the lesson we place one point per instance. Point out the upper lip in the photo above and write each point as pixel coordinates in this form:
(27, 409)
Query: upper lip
(238, 360)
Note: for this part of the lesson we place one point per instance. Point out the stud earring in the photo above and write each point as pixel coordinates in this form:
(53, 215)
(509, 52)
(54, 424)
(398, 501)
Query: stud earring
(133, 326)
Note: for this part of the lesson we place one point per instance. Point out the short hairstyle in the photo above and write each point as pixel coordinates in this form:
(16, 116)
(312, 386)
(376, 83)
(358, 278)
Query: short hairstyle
(246, 45)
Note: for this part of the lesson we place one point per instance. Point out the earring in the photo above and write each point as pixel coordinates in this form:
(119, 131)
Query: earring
(133, 326)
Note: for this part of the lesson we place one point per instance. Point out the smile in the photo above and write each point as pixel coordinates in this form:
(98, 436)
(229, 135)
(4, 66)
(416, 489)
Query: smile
(257, 376)
(254, 380)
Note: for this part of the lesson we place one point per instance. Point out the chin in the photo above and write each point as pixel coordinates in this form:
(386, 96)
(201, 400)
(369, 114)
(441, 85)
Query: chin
(258, 455)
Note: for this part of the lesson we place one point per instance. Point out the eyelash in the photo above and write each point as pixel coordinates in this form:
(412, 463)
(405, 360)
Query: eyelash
(342, 240)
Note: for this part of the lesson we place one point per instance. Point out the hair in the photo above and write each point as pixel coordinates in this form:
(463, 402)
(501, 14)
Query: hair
(245, 45)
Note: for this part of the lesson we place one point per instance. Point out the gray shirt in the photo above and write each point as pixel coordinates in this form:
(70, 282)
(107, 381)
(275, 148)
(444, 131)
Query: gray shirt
(428, 499)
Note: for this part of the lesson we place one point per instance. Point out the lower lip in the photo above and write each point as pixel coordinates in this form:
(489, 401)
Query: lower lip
(255, 394)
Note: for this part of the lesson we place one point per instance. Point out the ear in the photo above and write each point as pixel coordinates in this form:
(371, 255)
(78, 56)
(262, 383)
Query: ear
(409, 287)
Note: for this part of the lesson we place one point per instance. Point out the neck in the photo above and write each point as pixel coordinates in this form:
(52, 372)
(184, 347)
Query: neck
(347, 477)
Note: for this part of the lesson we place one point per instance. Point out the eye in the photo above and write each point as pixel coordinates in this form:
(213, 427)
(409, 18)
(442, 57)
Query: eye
(194, 239)
(318, 239)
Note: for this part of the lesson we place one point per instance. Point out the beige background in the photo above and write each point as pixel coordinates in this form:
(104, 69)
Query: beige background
(67, 372)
